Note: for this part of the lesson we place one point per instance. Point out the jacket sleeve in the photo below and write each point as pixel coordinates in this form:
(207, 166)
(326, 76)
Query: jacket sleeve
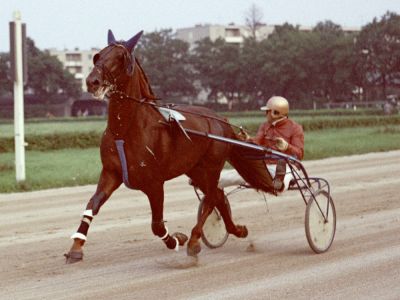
(296, 143)
(259, 138)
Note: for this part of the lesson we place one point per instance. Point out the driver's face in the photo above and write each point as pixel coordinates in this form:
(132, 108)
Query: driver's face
(272, 115)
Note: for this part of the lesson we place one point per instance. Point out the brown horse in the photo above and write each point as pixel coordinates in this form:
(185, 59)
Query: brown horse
(142, 149)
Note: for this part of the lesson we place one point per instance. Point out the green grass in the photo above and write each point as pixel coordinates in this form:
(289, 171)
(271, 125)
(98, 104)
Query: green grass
(56, 126)
(70, 167)
(312, 123)
(67, 167)
(310, 112)
(349, 141)
(250, 120)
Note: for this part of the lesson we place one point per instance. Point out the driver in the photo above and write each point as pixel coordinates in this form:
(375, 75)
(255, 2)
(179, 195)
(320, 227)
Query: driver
(278, 133)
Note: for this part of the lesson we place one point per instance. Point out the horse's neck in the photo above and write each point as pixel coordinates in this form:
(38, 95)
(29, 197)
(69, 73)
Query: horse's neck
(128, 114)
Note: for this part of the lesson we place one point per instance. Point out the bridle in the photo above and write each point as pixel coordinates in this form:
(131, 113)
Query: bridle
(109, 79)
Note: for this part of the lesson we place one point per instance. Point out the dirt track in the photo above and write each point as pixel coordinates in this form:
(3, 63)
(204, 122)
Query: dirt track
(123, 260)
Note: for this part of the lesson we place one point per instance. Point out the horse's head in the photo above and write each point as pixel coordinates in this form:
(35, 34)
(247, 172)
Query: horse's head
(112, 65)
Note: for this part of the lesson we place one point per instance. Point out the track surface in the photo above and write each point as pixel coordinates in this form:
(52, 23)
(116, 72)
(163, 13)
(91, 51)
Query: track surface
(123, 260)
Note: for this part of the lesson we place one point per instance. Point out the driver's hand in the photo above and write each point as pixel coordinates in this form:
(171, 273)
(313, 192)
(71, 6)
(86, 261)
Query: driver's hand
(243, 135)
(281, 144)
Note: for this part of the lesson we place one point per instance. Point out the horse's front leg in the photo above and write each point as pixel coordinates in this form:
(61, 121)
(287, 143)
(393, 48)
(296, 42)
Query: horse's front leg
(156, 198)
(107, 184)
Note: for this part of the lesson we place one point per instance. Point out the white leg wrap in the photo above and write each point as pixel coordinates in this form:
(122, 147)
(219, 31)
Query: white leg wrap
(78, 235)
(166, 234)
(88, 213)
(177, 244)
(86, 220)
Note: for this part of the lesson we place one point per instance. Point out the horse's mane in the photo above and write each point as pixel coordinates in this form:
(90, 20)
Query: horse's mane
(145, 86)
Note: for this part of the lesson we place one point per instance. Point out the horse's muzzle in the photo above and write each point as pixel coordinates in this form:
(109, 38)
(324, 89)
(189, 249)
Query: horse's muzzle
(93, 82)
(96, 86)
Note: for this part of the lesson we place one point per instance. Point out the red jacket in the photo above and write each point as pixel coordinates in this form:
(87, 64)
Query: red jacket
(287, 129)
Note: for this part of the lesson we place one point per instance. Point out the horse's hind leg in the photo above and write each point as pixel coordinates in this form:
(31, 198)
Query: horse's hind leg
(206, 178)
(237, 230)
(108, 183)
(213, 197)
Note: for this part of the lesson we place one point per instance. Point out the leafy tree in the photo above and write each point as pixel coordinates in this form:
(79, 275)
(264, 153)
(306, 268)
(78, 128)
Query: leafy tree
(5, 82)
(331, 54)
(283, 71)
(205, 65)
(378, 48)
(47, 77)
(251, 78)
(306, 66)
(218, 67)
(166, 61)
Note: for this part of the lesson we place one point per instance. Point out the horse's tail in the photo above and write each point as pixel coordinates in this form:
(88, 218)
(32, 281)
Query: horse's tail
(253, 171)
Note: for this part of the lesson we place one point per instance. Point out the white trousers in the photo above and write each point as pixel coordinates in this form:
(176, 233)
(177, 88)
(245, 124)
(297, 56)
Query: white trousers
(231, 177)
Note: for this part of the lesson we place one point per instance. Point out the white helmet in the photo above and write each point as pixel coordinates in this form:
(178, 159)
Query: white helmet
(278, 105)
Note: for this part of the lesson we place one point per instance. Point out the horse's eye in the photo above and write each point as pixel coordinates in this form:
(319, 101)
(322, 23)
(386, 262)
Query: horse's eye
(96, 57)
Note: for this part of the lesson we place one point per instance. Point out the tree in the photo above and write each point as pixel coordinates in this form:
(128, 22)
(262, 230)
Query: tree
(283, 70)
(217, 65)
(331, 53)
(166, 61)
(228, 72)
(47, 77)
(5, 82)
(378, 49)
(46, 74)
(253, 19)
(250, 77)
(205, 65)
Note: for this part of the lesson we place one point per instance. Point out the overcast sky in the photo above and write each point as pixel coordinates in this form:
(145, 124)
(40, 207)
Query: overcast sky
(84, 23)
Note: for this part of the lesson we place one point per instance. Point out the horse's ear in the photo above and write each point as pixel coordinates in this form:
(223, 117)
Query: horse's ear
(130, 45)
(111, 38)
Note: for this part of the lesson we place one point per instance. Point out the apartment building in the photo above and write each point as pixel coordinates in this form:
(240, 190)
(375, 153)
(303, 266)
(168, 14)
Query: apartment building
(231, 33)
(77, 62)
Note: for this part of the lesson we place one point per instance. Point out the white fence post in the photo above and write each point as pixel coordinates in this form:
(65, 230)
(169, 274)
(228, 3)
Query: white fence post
(19, 134)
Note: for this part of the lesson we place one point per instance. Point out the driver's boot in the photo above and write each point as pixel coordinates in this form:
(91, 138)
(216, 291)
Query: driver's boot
(280, 173)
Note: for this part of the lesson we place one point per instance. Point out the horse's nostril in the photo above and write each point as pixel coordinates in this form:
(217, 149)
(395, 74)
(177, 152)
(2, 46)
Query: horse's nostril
(93, 83)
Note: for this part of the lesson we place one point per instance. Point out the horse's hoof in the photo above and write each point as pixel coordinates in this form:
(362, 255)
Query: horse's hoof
(193, 250)
(182, 238)
(73, 257)
(242, 231)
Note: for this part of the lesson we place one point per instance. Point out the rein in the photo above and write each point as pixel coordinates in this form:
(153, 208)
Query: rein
(144, 101)
(112, 83)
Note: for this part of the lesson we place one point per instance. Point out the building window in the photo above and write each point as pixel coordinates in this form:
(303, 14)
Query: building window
(74, 70)
(73, 57)
(232, 32)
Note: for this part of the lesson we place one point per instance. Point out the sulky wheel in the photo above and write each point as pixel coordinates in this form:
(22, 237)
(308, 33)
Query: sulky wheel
(320, 222)
(214, 233)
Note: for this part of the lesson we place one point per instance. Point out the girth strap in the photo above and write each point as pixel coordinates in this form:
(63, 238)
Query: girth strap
(122, 158)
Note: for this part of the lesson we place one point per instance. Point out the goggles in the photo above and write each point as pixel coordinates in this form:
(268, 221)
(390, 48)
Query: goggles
(275, 113)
